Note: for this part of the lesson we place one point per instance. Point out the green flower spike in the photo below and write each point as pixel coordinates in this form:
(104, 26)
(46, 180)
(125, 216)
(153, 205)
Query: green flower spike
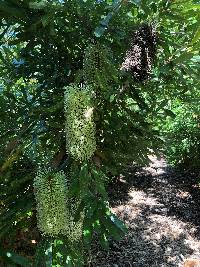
(80, 128)
(50, 192)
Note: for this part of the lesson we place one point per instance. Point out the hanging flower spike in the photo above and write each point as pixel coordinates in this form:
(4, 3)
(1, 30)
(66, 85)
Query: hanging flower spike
(80, 128)
(50, 193)
(99, 69)
(139, 58)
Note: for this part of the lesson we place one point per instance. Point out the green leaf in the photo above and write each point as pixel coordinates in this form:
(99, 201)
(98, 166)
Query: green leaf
(170, 113)
(118, 223)
(136, 2)
(99, 178)
(99, 31)
(15, 258)
(196, 59)
(40, 253)
(11, 11)
(196, 36)
(46, 19)
(190, 6)
(162, 105)
(105, 21)
(104, 241)
(112, 227)
(48, 253)
(87, 236)
(38, 5)
(183, 57)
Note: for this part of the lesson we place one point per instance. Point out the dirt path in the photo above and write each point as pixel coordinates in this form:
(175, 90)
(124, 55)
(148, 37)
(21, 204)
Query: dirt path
(162, 210)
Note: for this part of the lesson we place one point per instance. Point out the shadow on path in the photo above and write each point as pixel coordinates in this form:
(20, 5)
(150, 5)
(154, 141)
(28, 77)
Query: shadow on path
(178, 191)
(161, 208)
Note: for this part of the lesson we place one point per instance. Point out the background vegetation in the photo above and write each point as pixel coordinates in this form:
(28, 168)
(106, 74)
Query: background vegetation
(45, 46)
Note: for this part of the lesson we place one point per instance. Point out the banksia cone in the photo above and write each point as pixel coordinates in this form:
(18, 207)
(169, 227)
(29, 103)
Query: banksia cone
(139, 58)
(80, 128)
(55, 210)
(51, 198)
(93, 63)
(98, 68)
(76, 227)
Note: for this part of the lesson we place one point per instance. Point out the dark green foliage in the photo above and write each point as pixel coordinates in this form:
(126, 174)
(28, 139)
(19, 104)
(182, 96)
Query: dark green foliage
(45, 47)
(183, 136)
(88, 182)
(14, 260)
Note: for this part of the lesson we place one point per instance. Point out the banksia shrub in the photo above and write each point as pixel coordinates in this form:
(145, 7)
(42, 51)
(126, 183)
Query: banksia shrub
(80, 128)
(51, 199)
(139, 58)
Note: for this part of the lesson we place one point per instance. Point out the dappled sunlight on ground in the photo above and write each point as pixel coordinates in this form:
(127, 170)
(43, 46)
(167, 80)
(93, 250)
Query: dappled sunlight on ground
(157, 236)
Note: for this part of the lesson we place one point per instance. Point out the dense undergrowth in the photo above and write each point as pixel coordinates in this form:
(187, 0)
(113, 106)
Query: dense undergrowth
(182, 134)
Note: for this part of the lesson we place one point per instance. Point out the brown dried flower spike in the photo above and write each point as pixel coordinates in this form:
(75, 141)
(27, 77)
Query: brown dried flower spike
(139, 58)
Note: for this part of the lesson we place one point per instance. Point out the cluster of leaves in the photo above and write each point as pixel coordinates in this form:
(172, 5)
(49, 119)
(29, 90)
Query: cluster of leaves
(182, 133)
(42, 50)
